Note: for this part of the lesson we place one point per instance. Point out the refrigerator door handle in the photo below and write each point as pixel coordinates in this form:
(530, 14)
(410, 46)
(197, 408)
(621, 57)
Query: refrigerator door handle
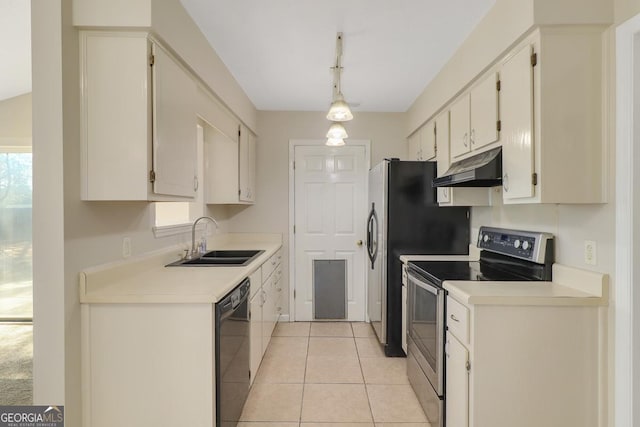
(372, 233)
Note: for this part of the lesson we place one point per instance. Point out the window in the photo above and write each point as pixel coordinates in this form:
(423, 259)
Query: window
(16, 265)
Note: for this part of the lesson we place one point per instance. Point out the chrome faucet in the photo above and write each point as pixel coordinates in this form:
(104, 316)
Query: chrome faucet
(194, 251)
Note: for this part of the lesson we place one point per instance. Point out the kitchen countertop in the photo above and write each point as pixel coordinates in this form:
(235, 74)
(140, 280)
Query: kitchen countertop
(570, 287)
(145, 279)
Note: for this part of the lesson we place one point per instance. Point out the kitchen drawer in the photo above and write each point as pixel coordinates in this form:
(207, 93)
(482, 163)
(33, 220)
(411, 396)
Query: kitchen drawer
(271, 264)
(458, 320)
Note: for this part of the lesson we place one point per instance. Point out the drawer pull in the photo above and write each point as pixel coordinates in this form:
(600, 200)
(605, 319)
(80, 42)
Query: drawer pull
(454, 318)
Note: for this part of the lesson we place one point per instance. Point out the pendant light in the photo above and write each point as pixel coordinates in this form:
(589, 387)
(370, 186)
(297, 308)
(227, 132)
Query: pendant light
(339, 110)
(337, 131)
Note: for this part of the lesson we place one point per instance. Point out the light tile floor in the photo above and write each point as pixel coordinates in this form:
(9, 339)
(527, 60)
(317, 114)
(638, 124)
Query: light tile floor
(330, 374)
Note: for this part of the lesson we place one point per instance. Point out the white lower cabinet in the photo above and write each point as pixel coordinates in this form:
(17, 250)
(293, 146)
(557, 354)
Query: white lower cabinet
(457, 410)
(255, 328)
(265, 306)
(153, 362)
(524, 365)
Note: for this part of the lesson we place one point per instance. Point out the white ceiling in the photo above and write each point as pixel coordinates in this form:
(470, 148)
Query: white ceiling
(15, 48)
(281, 51)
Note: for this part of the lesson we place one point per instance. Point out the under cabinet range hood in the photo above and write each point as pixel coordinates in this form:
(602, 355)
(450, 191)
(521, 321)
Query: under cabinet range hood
(481, 170)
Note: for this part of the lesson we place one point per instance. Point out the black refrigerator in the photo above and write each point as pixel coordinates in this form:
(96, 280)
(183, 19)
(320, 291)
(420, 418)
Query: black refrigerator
(404, 218)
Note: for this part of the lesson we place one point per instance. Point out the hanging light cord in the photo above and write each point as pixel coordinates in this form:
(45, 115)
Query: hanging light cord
(337, 69)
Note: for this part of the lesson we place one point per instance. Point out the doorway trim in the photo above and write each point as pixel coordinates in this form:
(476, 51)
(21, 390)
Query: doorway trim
(293, 143)
(627, 302)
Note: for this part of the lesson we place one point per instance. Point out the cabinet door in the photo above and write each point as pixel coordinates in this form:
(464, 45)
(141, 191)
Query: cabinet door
(247, 165)
(442, 143)
(457, 403)
(460, 126)
(428, 141)
(255, 334)
(414, 146)
(484, 112)
(220, 168)
(517, 125)
(115, 116)
(174, 128)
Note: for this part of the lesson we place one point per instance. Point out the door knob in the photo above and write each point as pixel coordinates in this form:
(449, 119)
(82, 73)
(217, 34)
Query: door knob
(359, 242)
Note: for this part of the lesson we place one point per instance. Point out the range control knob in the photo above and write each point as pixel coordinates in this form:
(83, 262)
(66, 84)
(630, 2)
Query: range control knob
(516, 244)
(525, 245)
(485, 238)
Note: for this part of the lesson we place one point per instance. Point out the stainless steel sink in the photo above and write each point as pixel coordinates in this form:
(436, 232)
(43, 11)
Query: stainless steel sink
(219, 258)
(231, 254)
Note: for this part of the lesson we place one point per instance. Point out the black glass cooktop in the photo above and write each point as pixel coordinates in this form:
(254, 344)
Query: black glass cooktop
(438, 271)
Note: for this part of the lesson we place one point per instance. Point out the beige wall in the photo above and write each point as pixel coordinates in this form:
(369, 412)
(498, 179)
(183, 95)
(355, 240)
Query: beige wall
(271, 210)
(15, 121)
(625, 9)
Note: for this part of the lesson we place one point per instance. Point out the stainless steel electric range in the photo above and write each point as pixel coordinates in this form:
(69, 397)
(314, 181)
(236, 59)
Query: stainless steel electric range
(506, 255)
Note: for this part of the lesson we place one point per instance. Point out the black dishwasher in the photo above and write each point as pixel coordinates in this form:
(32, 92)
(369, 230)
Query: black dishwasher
(232, 355)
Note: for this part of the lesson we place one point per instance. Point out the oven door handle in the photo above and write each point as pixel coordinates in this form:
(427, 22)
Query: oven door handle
(424, 285)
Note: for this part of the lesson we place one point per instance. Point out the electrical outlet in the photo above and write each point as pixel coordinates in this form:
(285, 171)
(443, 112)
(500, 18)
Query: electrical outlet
(590, 252)
(126, 247)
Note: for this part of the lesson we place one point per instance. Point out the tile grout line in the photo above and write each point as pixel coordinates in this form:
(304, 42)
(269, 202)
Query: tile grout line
(304, 376)
(364, 380)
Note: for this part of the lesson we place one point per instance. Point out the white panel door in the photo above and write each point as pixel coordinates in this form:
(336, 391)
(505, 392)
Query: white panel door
(517, 126)
(174, 128)
(330, 214)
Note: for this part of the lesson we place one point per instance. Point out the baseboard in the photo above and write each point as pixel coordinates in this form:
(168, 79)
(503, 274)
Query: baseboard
(284, 318)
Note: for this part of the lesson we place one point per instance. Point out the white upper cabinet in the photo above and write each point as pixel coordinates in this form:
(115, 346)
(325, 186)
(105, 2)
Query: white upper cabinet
(422, 143)
(460, 126)
(247, 180)
(474, 118)
(221, 170)
(414, 146)
(450, 196)
(517, 140)
(229, 166)
(484, 112)
(138, 126)
(552, 118)
(174, 127)
(428, 141)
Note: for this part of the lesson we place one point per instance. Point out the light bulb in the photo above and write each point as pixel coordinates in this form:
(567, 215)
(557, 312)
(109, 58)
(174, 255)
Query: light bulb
(337, 131)
(339, 110)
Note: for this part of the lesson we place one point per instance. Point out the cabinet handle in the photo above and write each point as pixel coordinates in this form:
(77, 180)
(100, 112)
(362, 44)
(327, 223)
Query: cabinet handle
(505, 182)
(454, 318)
(472, 138)
(464, 139)
(195, 183)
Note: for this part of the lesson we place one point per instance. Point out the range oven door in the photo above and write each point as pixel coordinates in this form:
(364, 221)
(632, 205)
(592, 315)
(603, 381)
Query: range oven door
(425, 327)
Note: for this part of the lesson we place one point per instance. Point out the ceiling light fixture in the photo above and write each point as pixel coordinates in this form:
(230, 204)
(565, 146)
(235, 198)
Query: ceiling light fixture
(337, 131)
(339, 110)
